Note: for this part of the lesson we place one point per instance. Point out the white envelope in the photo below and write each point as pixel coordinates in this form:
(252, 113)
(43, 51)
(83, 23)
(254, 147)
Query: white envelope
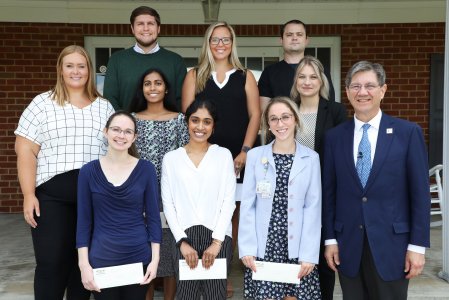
(118, 275)
(164, 222)
(277, 272)
(216, 271)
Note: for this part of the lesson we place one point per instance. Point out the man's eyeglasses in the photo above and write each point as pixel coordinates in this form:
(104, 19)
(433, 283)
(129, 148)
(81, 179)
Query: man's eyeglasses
(275, 120)
(357, 87)
(117, 131)
(216, 41)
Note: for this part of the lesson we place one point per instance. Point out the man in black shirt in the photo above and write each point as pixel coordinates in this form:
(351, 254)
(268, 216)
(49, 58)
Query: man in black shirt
(277, 79)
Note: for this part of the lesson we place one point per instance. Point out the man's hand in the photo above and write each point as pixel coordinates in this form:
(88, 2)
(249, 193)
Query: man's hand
(414, 264)
(332, 257)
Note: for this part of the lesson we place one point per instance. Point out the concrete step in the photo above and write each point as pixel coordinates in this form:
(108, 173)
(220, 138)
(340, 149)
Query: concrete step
(17, 266)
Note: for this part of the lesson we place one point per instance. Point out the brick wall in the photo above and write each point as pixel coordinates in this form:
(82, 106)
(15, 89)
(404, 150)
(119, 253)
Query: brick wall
(28, 53)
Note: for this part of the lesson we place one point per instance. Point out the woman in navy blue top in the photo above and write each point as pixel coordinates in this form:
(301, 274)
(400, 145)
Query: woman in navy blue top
(118, 212)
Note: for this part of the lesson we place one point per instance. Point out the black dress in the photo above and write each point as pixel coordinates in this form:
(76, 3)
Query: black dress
(232, 121)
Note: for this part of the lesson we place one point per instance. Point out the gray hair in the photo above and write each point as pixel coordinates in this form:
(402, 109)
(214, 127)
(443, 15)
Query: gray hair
(364, 66)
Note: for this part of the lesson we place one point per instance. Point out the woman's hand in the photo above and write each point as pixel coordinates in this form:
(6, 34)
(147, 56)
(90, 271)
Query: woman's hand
(87, 278)
(249, 262)
(27, 152)
(151, 272)
(210, 254)
(239, 162)
(306, 269)
(31, 205)
(189, 254)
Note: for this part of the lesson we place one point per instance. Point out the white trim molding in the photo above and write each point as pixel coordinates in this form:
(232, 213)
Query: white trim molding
(261, 12)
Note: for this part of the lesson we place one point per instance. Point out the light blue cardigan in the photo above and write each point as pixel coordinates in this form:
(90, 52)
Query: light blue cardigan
(304, 204)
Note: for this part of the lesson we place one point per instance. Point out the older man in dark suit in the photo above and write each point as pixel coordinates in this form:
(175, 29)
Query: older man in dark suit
(376, 198)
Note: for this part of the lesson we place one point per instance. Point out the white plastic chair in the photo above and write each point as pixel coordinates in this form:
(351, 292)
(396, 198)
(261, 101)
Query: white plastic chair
(436, 193)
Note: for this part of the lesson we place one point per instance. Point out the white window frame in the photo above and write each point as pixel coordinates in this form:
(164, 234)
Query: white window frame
(247, 47)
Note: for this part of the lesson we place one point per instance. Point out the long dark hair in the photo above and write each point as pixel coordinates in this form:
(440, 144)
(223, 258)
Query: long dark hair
(133, 149)
(140, 103)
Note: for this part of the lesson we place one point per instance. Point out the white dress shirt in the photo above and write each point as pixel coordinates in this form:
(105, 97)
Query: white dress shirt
(141, 51)
(373, 132)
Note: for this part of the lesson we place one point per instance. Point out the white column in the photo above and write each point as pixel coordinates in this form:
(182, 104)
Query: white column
(444, 274)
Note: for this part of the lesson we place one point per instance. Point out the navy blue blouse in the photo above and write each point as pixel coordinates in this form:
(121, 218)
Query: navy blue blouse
(118, 223)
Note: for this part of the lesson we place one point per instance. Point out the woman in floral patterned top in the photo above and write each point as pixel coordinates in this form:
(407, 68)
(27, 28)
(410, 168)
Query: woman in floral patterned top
(280, 213)
(161, 129)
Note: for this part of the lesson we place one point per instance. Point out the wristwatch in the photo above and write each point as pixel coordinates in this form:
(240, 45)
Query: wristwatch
(246, 149)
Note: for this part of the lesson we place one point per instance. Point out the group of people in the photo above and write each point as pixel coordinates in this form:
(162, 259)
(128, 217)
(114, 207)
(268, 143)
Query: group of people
(166, 167)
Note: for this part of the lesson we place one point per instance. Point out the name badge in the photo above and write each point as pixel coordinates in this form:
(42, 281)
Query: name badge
(264, 188)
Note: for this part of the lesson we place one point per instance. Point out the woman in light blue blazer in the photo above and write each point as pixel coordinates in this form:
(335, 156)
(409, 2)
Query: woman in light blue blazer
(280, 212)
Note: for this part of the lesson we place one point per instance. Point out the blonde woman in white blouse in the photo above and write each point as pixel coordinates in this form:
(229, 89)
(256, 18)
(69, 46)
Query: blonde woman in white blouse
(59, 132)
(198, 186)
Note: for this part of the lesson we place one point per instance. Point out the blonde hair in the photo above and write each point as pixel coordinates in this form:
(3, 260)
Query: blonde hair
(60, 93)
(206, 62)
(319, 71)
(267, 135)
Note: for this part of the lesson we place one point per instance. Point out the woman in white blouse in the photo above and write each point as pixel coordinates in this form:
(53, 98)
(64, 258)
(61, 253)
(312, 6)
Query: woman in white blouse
(198, 186)
(57, 134)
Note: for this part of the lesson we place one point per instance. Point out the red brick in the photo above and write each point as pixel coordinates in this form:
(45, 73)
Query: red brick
(32, 48)
(9, 203)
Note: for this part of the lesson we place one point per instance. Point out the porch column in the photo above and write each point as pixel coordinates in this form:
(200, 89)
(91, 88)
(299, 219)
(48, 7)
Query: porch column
(444, 274)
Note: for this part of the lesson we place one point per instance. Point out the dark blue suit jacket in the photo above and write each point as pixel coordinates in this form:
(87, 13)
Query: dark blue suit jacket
(394, 206)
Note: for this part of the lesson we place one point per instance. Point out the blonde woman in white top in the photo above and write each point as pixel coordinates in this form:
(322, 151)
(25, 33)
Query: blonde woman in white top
(198, 186)
(59, 132)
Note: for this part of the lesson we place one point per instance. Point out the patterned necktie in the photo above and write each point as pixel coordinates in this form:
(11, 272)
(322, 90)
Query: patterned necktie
(363, 164)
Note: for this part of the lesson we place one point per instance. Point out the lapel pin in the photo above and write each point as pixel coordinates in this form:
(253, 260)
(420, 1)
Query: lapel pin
(389, 130)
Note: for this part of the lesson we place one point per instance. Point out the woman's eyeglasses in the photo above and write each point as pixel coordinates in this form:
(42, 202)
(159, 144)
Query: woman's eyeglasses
(216, 41)
(275, 120)
(117, 131)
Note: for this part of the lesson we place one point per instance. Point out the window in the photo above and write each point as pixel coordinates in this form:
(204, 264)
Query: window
(255, 52)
